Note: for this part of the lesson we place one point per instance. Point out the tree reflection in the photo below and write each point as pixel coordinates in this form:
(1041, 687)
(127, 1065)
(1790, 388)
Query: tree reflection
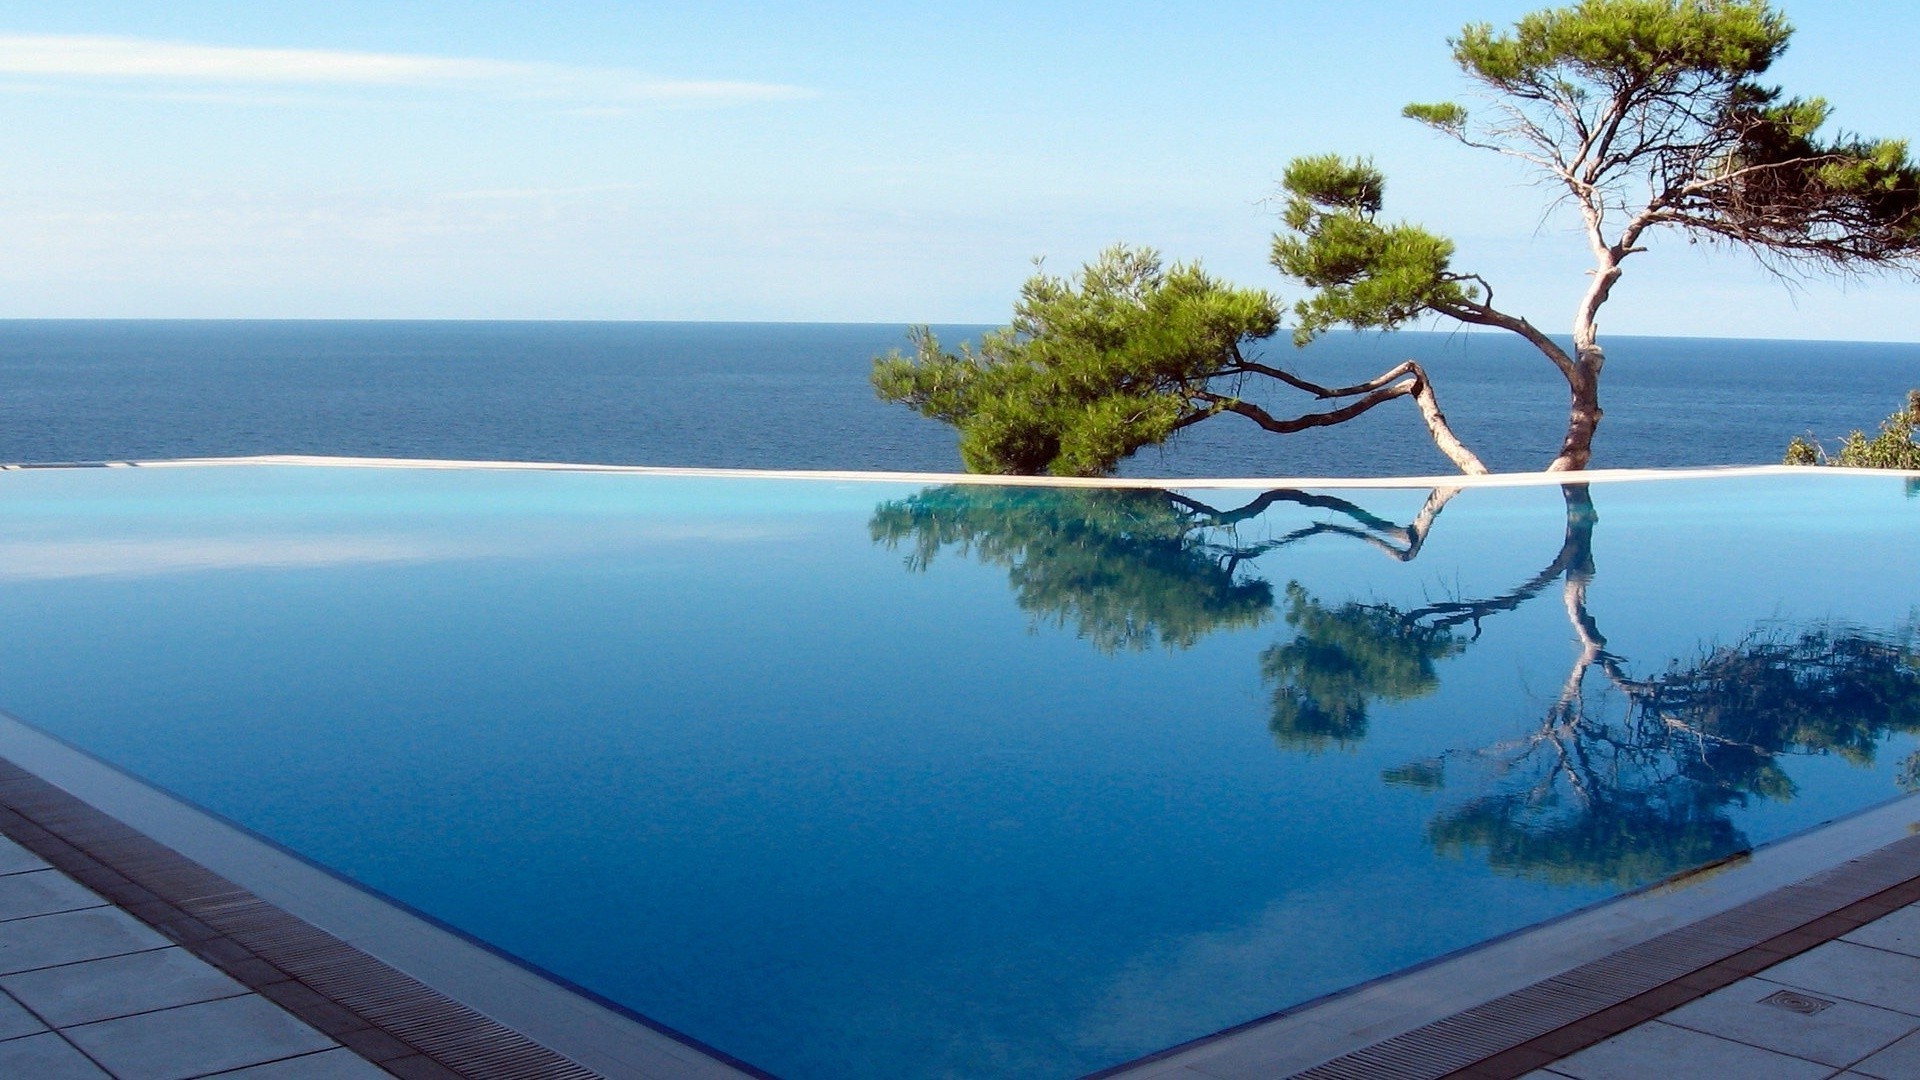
(1625, 796)
(1127, 568)
(1342, 658)
(1622, 797)
(1620, 780)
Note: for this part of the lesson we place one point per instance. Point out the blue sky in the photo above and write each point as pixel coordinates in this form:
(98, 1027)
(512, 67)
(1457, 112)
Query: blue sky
(794, 161)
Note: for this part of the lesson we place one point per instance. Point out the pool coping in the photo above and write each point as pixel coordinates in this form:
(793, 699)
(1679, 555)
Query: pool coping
(389, 983)
(1452, 480)
(1507, 1006)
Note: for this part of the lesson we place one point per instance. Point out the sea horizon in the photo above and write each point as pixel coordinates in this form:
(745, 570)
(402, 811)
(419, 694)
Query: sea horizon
(796, 396)
(1462, 331)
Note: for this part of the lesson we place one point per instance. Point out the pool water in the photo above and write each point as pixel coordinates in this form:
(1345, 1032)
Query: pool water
(857, 779)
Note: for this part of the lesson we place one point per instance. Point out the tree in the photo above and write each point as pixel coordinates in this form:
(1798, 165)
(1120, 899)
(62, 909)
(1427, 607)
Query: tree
(1642, 115)
(1121, 357)
(1892, 448)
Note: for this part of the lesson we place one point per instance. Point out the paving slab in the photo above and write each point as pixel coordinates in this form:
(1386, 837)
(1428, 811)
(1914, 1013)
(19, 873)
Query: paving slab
(119, 986)
(72, 936)
(46, 1057)
(326, 1065)
(1898, 932)
(1842, 969)
(1901, 1061)
(16, 1021)
(1658, 1049)
(43, 892)
(15, 859)
(1774, 1016)
(194, 1040)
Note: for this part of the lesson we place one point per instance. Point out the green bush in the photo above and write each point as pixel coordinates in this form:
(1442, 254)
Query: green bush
(1892, 448)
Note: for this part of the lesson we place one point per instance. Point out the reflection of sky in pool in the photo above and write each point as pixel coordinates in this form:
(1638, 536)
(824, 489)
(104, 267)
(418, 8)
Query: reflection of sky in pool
(1092, 779)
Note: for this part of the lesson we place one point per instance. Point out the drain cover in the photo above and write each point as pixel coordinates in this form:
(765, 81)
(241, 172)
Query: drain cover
(1793, 1002)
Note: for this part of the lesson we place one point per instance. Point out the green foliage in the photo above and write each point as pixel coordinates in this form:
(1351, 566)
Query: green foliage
(1365, 275)
(1892, 447)
(1626, 43)
(1340, 659)
(1091, 369)
(1331, 182)
(1128, 569)
(1445, 115)
(1856, 200)
(1657, 99)
(1642, 114)
(1823, 692)
(1802, 451)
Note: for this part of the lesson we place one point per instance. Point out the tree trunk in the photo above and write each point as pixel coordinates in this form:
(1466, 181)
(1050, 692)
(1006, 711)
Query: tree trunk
(1583, 375)
(1583, 413)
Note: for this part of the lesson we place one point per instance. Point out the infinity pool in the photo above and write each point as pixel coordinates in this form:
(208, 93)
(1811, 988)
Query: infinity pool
(863, 779)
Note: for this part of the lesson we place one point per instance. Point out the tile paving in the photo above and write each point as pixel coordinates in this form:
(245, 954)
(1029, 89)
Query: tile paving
(1848, 1008)
(87, 991)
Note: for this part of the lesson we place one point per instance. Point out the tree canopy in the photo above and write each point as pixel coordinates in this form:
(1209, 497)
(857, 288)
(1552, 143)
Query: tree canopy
(1090, 370)
(1119, 357)
(1640, 115)
(1623, 798)
(1128, 568)
(1340, 660)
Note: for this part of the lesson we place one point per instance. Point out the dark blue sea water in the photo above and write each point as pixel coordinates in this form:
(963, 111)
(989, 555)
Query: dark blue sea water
(786, 395)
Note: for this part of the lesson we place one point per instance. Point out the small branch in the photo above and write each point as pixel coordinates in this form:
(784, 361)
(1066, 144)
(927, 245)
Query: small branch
(1311, 420)
(1250, 367)
(1480, 314)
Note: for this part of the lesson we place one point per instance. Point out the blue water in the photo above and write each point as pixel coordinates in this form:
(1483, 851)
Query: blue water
(796, 396)
(871, 780)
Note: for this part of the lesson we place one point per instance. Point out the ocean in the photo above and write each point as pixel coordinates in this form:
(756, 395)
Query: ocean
(795, 395)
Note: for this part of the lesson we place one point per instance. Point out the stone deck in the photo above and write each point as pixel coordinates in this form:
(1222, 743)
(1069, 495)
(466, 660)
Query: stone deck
(1849, 1008)
(87, 991)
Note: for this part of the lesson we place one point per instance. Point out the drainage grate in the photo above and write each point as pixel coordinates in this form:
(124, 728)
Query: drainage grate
(1793, 1001)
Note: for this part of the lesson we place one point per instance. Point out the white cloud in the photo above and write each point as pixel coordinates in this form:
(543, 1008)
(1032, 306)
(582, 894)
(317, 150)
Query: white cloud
(140, 61)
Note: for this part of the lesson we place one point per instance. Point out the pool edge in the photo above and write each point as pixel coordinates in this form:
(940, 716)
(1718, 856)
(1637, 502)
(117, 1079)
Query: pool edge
(1511, 479)
(234, 892)
(1486, 1010)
